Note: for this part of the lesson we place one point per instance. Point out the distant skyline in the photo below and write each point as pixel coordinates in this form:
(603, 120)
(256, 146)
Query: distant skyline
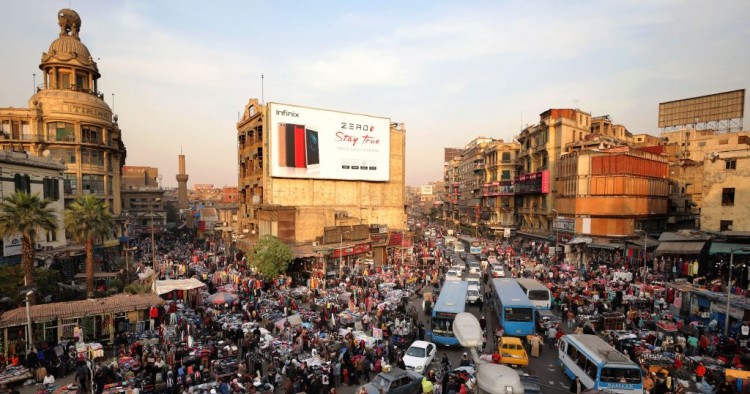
(182, 71)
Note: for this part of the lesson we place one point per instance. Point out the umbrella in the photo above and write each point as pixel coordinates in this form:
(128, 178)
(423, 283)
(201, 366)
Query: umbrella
(222, 298)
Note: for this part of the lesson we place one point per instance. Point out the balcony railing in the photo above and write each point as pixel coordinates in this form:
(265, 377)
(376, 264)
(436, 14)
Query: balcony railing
(75, 88)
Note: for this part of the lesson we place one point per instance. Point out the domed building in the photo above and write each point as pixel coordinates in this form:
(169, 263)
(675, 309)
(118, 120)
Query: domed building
(67, 119)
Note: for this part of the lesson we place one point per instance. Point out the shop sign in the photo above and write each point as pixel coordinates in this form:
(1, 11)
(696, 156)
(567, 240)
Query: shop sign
(737, 313)
(564, 224)
(352, 250)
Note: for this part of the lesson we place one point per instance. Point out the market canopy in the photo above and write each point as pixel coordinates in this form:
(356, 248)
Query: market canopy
(76, 309)
(166, 286)
(719, 248)
(680, 248)
(580, 240)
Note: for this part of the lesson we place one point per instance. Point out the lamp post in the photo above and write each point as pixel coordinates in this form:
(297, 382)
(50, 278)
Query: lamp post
(153, 238)
(729, 285)
(644, 247)
(30, 339)
(557, 231)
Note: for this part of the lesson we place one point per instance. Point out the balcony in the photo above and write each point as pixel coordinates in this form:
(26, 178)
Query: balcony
(74, 88)
(479, 166)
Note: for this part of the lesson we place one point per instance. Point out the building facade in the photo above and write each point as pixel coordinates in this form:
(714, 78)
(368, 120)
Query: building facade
(297, 210)
(726, 192)
(67, 119)
(22, 172)
(498, 192)
(134, 177)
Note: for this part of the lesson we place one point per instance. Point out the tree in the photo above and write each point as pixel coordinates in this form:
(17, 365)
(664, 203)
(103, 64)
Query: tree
(24, 213)
(88, 219)
(270, 256)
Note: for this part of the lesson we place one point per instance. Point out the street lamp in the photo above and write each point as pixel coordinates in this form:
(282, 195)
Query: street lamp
(729, 284)
(153, 239)
(644, 248)
(556, 224)
(30, 340)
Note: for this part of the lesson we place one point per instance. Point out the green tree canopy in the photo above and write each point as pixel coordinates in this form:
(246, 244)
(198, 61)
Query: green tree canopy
(25, 214)
(271, 256)
(88, 219)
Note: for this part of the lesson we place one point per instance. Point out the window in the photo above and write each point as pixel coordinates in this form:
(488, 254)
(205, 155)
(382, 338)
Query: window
(70, 184)
(727, 196)
(518, 314)
(51, 236)
(725, 225)
(5, 128)
(66, 155)
(92, 184)
(51, 188)
(81, 81)
(723, 142)
(91, 135)
(506, 157)
(61, 131)
(22, 183)
(64, 81)
(505, 174)
(25, 131)
(731, 164)
(92, 157)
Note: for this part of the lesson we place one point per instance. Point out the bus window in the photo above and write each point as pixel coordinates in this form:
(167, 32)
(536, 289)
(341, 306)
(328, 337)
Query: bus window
(620, 375)
(591, 369)
(572, 352)
(518, 314)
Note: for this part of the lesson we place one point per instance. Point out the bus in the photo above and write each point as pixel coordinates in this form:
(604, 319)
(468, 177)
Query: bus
(599, 365)
(450, 302)
(471, 244)
(515, 312)
(538, 294)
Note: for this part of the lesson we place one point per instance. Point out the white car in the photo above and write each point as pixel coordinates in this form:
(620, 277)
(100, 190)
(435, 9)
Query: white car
(452, 275)
(498, 271)
(473, 294)
(419, 356)
(459, 267)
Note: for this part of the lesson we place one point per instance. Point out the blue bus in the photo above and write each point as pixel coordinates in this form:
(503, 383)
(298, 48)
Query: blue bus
(538, 294)
(450, 302)
(471, 244)
(599, 365)
(514, 310)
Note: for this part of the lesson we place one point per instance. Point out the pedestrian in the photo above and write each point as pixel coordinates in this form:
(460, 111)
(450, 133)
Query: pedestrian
(700, 372)
(551, 337)
(536, 344)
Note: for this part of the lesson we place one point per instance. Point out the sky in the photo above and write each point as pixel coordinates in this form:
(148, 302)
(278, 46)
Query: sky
(182, 71)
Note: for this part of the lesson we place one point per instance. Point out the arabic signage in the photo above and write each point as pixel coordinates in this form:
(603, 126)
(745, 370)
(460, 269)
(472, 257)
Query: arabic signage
(352, 250)
(534, 183)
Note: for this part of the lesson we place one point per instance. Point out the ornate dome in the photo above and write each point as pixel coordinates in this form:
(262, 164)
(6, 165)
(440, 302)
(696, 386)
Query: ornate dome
(68, 48)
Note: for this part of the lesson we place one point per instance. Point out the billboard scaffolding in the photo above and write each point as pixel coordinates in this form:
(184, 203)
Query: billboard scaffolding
(720, 112)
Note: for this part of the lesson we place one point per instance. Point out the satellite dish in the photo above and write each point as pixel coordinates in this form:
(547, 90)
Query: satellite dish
(45, 153)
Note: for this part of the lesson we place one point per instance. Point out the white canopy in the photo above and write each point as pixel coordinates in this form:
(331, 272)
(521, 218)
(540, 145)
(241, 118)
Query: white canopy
(165, 286)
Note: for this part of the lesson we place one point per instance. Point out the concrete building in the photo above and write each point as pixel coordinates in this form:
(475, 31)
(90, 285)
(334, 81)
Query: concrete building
(471, 180)
(22, 172)
(726, 191)
(310, 209)
(67, 119)
(145, 209)
(541, 145)
(135, 177)
(498, 201)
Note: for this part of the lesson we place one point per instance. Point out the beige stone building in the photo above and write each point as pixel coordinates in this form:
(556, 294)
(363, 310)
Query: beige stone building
(498, 204)
(312, 211)
(726, 191)
(67, 119)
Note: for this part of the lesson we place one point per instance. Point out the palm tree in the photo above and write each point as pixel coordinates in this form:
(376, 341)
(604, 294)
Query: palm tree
(88, 218)
(24, 213)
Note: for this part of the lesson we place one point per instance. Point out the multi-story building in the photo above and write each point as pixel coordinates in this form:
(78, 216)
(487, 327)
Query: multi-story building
(498, 205)
(305, 170)
(471, 180)
(541, 145)
(451, 185)
(145, 209)
(22, 172)
(67, 119)
(134, 177)
(726, 191)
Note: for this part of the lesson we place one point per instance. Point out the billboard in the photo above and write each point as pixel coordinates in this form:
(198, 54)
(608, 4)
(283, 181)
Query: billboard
(12, 245)
(703, 109)
(534, 183)
(313, 143)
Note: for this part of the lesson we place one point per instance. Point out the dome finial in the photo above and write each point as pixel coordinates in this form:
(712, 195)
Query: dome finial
(69, 21)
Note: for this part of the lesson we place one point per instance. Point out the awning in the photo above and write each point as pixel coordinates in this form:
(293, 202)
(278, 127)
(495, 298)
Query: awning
(165, 286)
(604, 245)
(537, 236)
(719, 248)
(680, 248)
(580, 240)
(303, 251)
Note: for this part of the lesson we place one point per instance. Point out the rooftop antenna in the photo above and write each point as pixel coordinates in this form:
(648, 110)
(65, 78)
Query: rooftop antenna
(113, 103)
(33, 88)
(262, 100)
(180, 148)
(575, 102)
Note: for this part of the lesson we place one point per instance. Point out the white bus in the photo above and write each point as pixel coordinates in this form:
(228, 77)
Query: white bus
(599, 365)
(538, 293)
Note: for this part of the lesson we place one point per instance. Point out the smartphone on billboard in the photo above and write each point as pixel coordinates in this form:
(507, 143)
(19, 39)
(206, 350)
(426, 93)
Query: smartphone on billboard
(312, 149)
(286, 145)
(300, 154)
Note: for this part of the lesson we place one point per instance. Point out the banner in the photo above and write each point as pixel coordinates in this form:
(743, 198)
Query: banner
(12, 245)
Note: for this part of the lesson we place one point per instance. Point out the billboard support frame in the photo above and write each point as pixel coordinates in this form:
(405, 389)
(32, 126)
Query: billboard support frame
(723, 112)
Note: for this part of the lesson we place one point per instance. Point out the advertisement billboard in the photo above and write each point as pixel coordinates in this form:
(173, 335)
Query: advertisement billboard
(703, 109)
(313, 143)
(12, 245)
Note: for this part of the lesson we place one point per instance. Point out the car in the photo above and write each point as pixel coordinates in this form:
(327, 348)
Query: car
(458, 267)
(397, 381)
(473, 281)
(498, 271)
(512, 352)
(452, 275)
(419, 356)
(475, 269)
(473, 294)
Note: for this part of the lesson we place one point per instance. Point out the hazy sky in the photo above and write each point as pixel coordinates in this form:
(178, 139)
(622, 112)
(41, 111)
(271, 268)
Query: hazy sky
(182, 70)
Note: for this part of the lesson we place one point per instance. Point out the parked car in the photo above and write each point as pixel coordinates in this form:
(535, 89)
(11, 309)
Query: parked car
(512, 352)
(419, 356)
(397, 381)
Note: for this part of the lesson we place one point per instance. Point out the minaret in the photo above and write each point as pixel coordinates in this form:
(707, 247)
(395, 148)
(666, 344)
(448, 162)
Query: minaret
(182, 179)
